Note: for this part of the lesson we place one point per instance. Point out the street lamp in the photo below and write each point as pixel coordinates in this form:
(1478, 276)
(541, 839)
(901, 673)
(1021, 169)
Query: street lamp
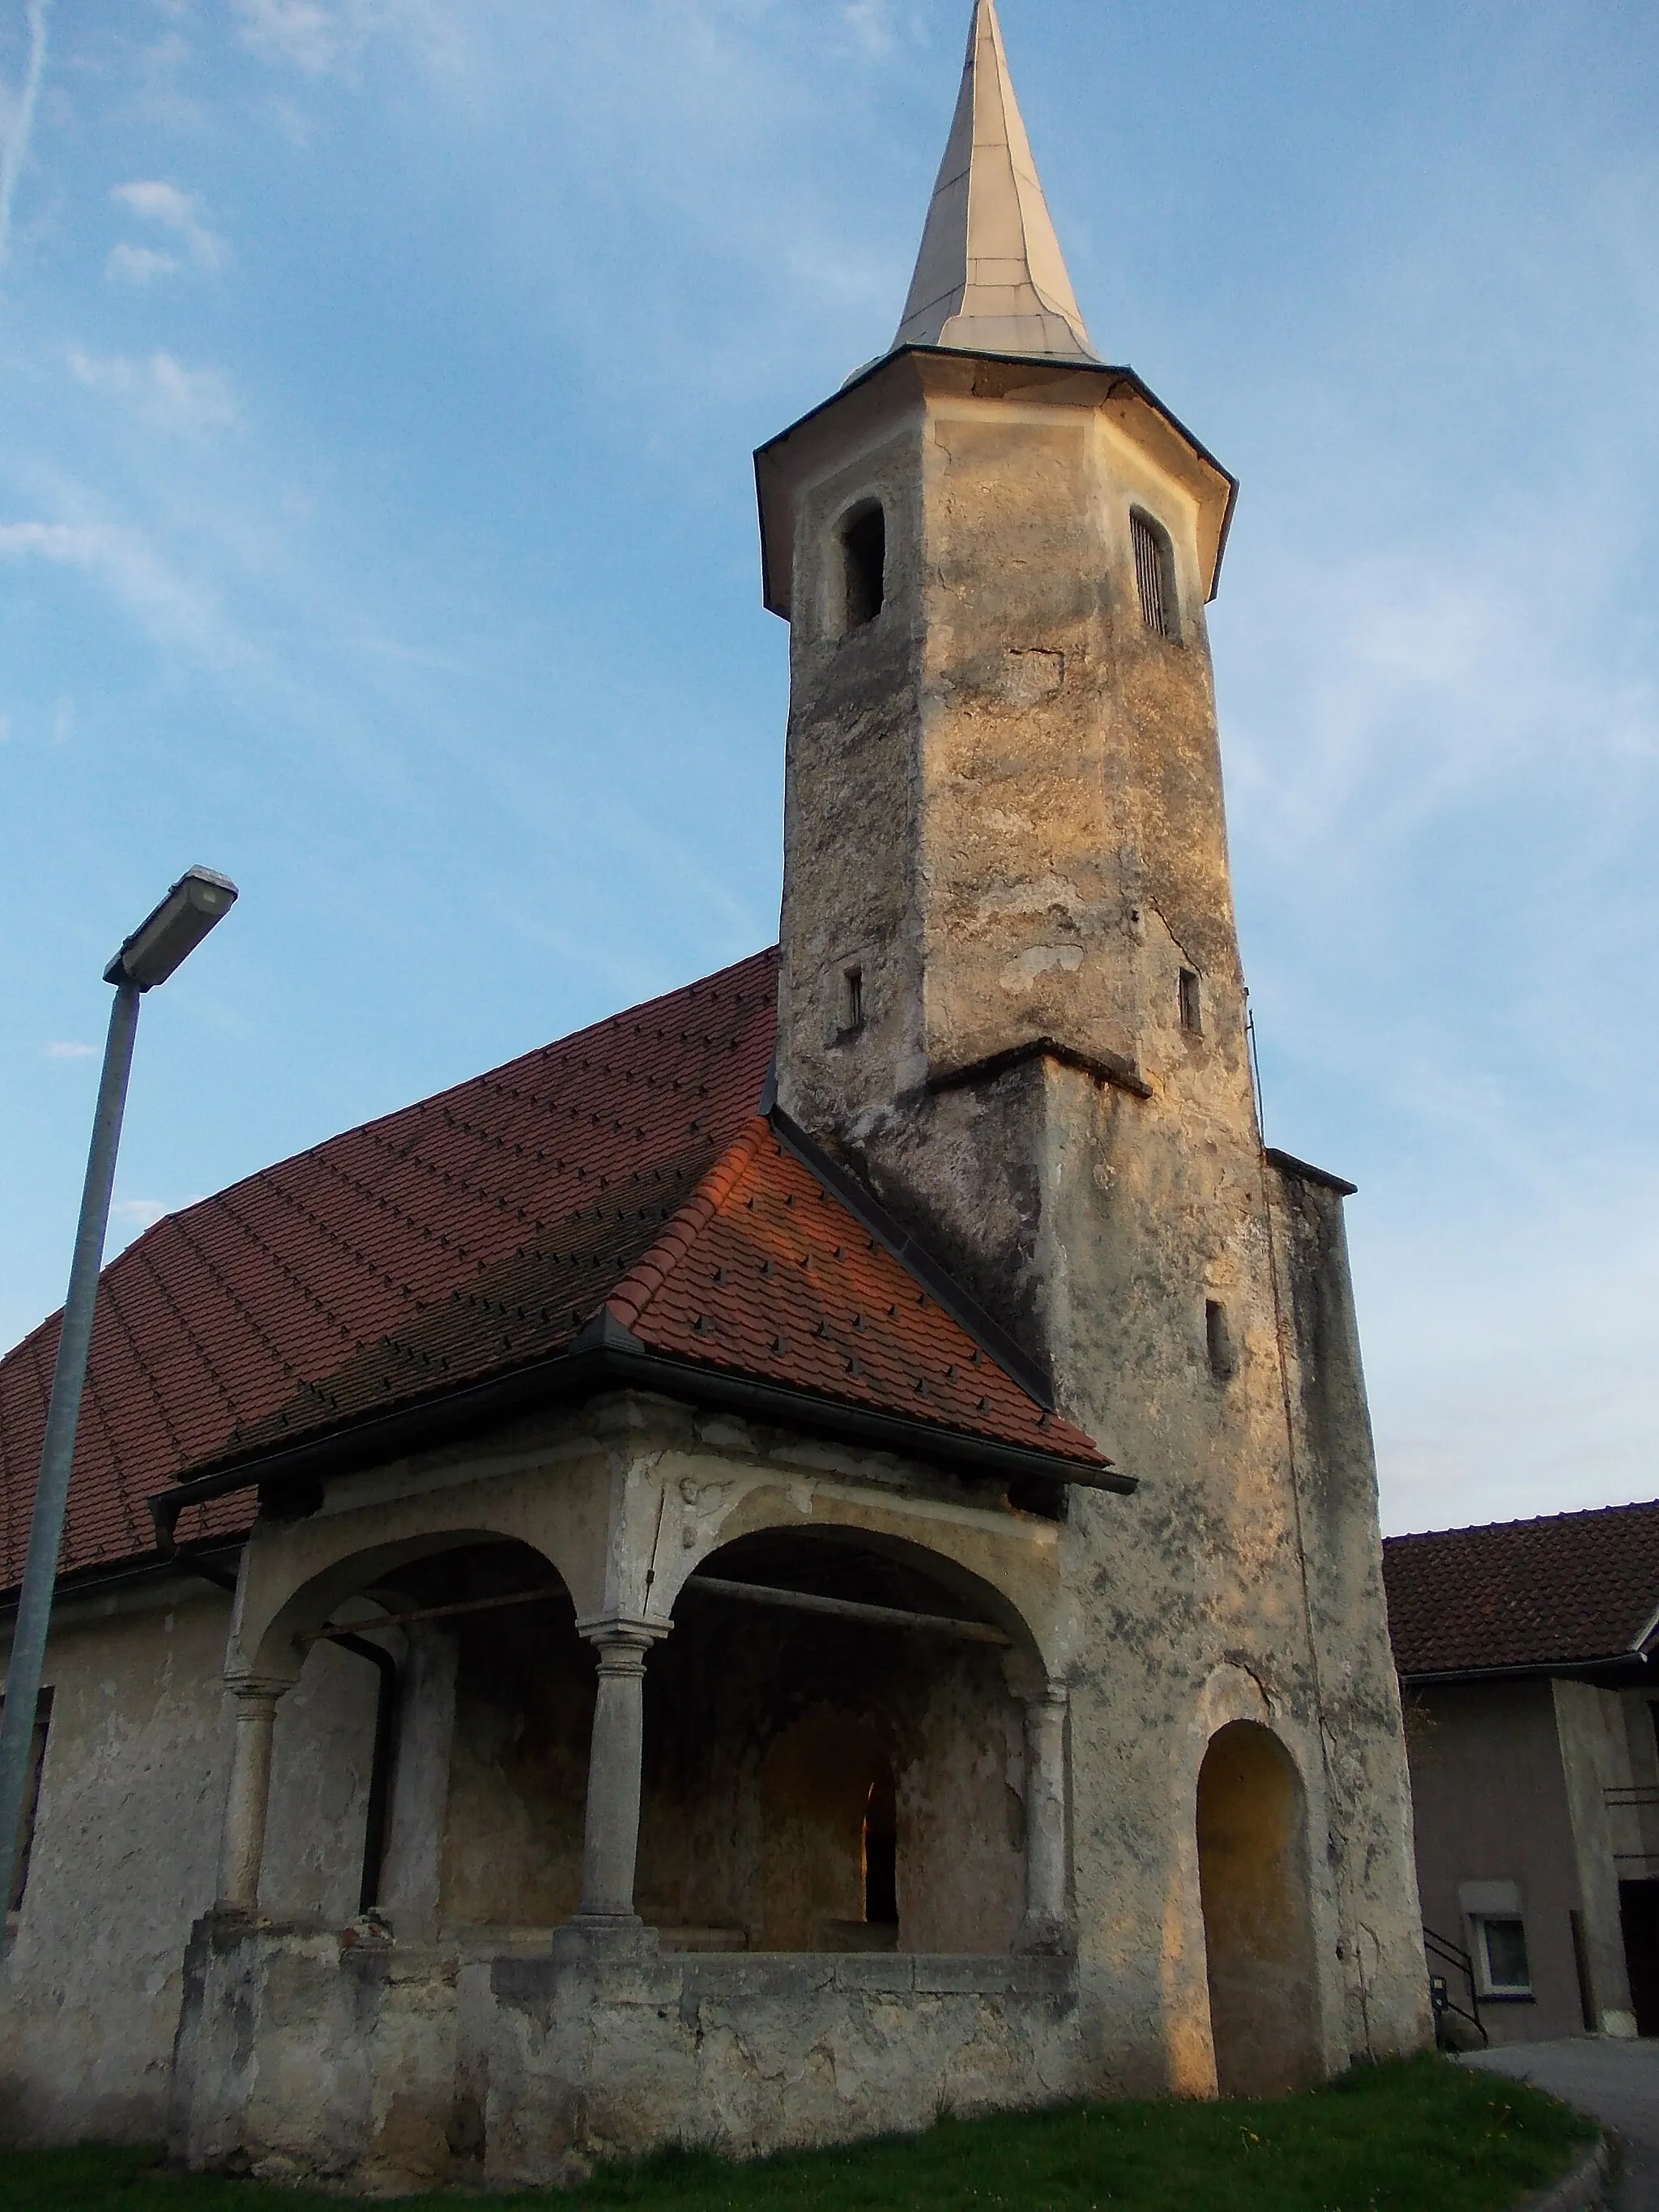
(197, 902)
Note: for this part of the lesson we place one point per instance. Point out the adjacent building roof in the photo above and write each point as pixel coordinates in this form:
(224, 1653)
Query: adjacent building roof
(1572, 1590)
(991, 277)
(624, 1174)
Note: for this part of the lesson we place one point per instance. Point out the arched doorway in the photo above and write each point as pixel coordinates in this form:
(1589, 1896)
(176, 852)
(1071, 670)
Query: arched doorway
(1258, 1933)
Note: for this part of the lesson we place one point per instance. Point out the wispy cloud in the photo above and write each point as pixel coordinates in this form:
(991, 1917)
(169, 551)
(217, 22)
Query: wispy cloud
(162, 390)
(60, 1049)
(170, 210)
(301, 35)
(168, 607)
(17, 119)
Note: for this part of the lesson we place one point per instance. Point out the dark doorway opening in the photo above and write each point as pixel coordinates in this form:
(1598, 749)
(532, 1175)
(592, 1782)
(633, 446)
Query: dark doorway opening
(1638, 1918)
(881, 1853)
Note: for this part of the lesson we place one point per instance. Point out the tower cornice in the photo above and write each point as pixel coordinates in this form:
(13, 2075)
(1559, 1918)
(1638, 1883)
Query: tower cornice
(912, 373)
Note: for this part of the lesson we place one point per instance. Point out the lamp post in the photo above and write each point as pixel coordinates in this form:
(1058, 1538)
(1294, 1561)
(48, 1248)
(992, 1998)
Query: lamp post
(155, 948)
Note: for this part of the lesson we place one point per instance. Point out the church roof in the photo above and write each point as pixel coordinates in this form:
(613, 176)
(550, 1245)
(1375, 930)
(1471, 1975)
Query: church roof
(990, 277)
(620, 1187)
(1574, 1589)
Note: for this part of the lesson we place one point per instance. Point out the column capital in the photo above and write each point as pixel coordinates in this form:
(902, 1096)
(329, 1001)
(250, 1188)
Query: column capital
(1053, 1692)
(618, 1635)
(253, 1689)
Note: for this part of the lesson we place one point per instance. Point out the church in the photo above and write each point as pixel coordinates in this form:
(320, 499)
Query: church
(806, 1556)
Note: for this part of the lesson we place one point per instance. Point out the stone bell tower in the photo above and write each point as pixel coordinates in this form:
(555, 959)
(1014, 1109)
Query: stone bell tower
(1004, 840)
(1012, 1004)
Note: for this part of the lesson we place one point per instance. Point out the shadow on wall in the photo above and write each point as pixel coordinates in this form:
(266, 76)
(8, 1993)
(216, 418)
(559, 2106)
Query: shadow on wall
(828, 1824)
(1258, 1925)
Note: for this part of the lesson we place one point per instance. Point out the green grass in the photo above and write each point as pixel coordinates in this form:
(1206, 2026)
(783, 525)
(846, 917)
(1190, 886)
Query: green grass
(1423, 2135)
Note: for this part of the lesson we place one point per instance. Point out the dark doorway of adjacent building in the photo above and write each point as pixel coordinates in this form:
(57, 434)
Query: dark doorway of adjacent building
(1638, 1916)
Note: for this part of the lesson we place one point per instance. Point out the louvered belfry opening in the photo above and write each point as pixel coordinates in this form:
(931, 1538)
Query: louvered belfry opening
(1155, 575)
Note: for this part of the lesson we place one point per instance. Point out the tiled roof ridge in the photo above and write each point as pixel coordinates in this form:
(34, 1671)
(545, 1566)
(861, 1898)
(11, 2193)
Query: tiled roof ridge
(634, 1293)
(1536, 1521)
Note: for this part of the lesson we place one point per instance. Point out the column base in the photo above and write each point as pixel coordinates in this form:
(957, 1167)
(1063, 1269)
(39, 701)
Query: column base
(604, 1934)
(1046, 1938)
(229, 1919)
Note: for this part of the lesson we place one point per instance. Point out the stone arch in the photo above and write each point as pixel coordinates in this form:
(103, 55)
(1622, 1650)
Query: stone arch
(1021, 1598)
(865, 1776)
(1260, 1952)
(286, 1600)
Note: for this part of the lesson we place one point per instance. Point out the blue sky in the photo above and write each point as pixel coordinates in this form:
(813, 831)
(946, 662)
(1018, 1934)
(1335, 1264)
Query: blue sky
(378, 380)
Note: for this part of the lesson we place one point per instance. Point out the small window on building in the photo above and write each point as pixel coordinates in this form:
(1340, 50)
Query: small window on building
(1501, 1956)
(31, 1798)
(1192, 1005)
(852, 1001)
(1218, 1340)
(864, 565)
(1155, 575)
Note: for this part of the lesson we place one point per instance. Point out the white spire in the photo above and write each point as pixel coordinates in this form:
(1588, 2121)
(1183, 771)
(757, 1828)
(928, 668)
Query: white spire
(990, 277)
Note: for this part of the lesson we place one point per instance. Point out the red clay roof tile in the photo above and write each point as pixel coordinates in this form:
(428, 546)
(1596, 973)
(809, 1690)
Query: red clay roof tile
(1563, 1591)
(480, 1230)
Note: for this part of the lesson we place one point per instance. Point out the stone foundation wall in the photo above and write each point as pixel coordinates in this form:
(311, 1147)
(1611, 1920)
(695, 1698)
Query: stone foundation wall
(304, 2057)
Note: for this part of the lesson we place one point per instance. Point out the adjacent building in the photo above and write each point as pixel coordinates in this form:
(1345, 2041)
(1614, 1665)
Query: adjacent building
(1526, 1657)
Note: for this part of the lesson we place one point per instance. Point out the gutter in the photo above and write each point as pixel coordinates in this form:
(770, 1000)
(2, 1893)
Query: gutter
(1546, 1668)
(605, 1357)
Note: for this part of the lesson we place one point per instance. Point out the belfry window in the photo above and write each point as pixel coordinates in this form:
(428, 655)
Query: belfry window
(864, 565)
(1155, 575)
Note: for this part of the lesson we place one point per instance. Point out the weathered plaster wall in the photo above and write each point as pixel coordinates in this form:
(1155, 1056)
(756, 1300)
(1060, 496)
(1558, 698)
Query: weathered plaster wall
(524, 1709)
(1595, 1751)
(125, 1843)
(319, 1789)
(126, 1847)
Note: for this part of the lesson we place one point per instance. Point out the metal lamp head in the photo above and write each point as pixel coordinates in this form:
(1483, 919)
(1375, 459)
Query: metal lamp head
(197, 902)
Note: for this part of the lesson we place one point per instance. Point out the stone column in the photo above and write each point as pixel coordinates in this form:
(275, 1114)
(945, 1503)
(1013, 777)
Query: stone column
(1048, 1924)
(242, 1840)
(411, 1876)
(611, 1836)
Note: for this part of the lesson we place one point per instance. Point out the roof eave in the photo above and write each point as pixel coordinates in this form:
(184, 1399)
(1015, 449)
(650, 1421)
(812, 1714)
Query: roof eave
(1432, 1677)
(576, 1375)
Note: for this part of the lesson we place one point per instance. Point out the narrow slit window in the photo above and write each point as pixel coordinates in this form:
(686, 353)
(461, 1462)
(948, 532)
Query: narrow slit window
(852, 1001)
(1192, 1005)
(1218, 1340)
(31, 1799)
(864, 565)
(1155, 575)
(881, 1854)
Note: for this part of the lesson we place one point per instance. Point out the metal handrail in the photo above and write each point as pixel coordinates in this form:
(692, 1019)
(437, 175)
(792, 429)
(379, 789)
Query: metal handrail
(1441, 1948)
